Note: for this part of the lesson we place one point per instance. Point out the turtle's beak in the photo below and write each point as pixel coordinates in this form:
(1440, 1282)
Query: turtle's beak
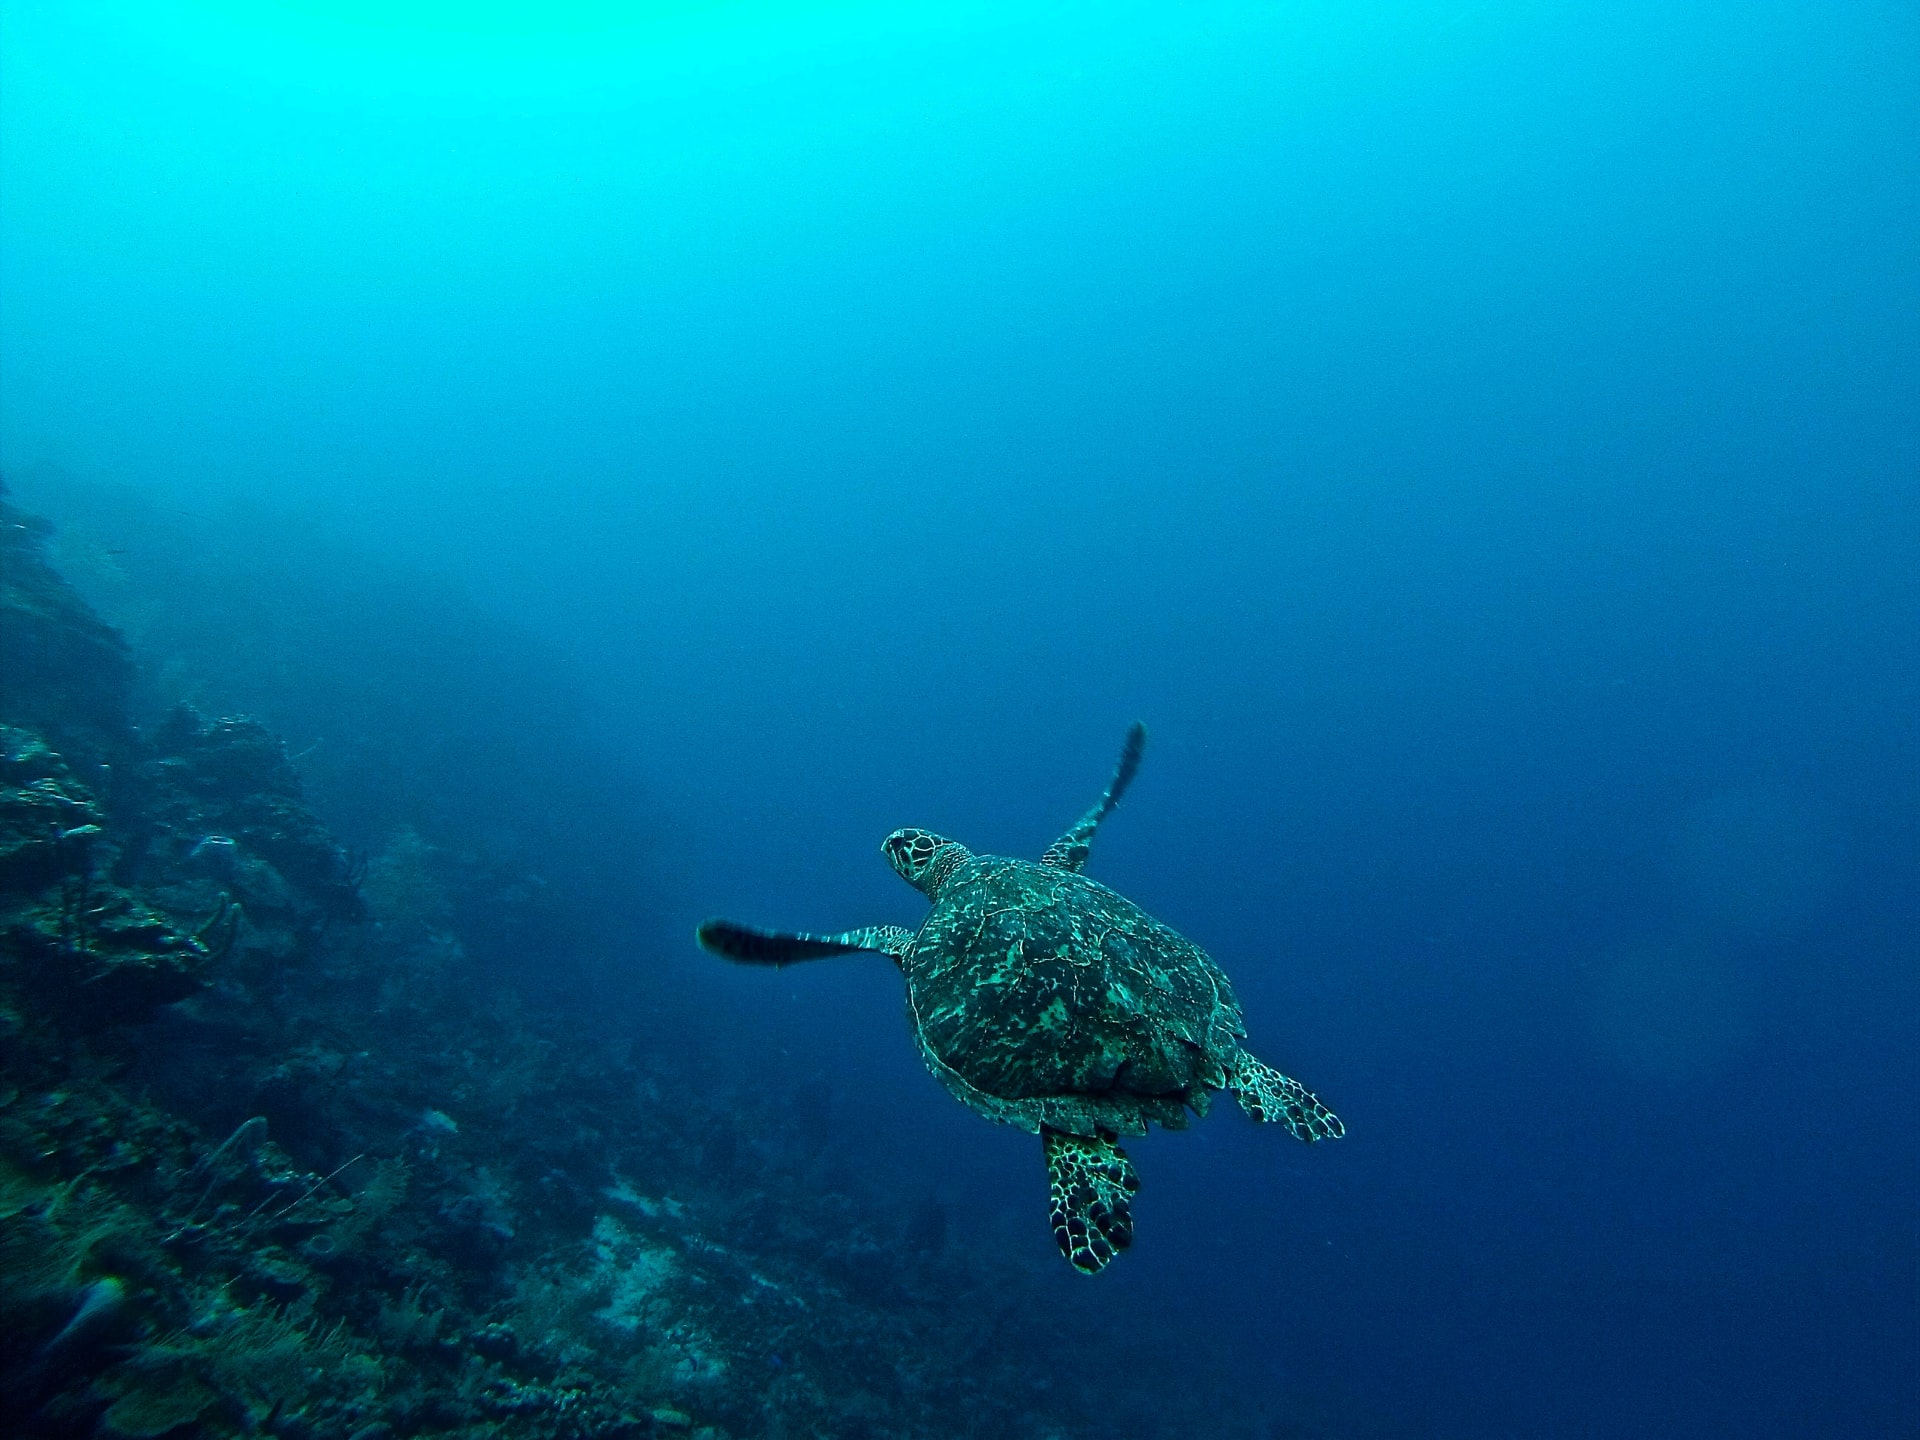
(899, 850)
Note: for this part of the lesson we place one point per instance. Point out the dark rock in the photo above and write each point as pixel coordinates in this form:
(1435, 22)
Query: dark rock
(223, 808)
(63, 670)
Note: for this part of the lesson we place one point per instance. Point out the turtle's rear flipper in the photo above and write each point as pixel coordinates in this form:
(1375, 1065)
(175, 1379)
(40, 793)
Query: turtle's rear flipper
(1268, 1096)
(1092, 1184)
(782, 947)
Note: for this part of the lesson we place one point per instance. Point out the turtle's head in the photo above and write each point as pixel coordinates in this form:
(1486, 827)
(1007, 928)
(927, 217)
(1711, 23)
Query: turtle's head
(924, 859)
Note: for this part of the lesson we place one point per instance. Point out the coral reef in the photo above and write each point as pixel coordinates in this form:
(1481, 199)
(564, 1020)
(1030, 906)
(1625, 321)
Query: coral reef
(272, 1163)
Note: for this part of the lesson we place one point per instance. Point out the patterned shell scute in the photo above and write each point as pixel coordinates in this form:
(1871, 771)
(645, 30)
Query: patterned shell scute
(1040, 996)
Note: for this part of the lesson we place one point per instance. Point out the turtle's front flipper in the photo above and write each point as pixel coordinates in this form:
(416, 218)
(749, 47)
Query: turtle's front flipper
(782, 947)
(1267, 1095)
(1092, 1184)
(1069, 852)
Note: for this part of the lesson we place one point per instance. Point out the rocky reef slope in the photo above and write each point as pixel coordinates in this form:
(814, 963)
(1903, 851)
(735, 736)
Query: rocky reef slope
(272, 1164)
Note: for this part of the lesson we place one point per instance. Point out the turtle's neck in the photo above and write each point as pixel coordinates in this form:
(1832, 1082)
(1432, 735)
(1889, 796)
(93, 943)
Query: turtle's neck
(950, 858)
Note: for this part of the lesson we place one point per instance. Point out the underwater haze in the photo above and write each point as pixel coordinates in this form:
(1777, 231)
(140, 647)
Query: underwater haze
(1481, 441)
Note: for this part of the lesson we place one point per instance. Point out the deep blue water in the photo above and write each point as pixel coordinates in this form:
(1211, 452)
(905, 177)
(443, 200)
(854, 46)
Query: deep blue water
(1483, 443)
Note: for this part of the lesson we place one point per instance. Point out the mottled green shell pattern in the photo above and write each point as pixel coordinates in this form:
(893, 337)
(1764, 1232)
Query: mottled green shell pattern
(1040, 997)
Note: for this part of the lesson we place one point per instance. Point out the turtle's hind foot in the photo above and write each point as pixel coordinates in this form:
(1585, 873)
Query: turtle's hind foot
(1092, 1184)
(1268, 1096)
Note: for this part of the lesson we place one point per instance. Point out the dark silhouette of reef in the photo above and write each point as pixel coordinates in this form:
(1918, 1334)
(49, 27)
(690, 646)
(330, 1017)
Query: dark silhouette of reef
(271, 1163)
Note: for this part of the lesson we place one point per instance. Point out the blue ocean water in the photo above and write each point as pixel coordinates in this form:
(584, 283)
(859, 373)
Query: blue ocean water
(1481, 441)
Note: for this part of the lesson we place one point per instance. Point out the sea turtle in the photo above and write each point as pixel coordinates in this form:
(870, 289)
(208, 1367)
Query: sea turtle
(1043, 999)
